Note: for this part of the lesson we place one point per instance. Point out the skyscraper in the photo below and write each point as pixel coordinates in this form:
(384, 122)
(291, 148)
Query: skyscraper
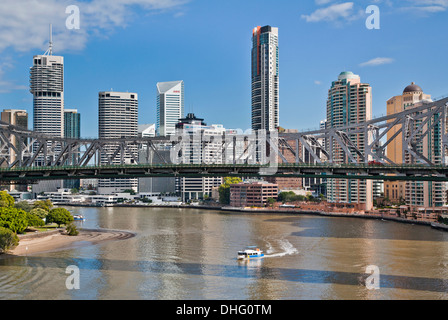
(118, 116)
(199, 151)
(349, 102)
(72, 129)
(170, 106)
(265, 78)
(47, 87)
(72, 123)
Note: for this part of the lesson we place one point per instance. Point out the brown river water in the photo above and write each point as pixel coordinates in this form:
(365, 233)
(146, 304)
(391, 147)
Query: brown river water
(190, 254)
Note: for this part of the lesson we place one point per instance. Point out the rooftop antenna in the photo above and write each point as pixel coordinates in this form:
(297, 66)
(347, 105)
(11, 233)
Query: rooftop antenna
(50, 46)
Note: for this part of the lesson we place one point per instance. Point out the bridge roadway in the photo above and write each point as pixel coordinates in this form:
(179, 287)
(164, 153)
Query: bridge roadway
(342, 171)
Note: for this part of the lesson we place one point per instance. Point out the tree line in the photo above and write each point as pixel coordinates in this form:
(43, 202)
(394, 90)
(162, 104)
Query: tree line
(16, 218)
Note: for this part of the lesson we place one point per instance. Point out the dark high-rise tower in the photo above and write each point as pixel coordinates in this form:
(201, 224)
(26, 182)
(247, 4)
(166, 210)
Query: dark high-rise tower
(265, 79)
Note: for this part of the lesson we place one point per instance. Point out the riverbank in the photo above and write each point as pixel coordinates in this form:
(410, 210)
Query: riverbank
(36, 243)
(230, 210)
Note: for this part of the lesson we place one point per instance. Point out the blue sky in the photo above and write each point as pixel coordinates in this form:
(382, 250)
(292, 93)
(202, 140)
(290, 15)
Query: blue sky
(130, 45)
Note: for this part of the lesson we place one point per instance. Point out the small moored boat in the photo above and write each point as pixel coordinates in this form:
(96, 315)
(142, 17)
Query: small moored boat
(250, 253)
(79, 217)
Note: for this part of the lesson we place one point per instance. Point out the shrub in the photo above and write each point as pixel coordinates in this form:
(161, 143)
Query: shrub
(60, 216)
(8, 240)
(72, 230)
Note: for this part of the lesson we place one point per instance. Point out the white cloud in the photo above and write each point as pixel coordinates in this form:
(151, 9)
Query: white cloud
(24, 24)
(318, 82)
(426, 7)
(377, 62)
(332, 13)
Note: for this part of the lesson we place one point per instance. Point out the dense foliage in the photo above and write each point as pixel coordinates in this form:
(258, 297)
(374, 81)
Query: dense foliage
(8, 240)
(6, 200)
(13, 219)
(60, 216)
(290, 196)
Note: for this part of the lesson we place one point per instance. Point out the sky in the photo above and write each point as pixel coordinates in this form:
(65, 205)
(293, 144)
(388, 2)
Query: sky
(130, 45)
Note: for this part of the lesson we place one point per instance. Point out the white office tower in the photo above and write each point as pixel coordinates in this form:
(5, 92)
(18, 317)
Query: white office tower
(199, 148)
(47, 88)
(170, 106)
(118, 116)
(265, 79)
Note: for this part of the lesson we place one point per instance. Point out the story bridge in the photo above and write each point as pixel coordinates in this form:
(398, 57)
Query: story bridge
(27, 156)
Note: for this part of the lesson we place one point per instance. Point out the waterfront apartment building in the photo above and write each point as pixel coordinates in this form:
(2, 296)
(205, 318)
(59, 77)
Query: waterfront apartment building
(349, 102)
(118, 118)
(170, 106)
(252, 194)
(428, 193)
(265, 79)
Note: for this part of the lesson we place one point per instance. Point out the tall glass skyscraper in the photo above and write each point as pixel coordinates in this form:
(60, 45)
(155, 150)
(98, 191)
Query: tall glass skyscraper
(265, 79)
(72, 129)
(170, 106)
(72, 124)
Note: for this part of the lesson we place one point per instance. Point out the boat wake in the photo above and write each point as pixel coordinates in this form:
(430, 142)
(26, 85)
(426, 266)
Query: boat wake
(286, 247)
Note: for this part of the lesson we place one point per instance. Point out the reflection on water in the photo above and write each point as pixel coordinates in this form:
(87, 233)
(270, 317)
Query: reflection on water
(191, 254)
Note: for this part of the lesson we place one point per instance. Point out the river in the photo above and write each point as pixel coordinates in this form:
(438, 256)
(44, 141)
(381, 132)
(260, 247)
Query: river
(190, 254)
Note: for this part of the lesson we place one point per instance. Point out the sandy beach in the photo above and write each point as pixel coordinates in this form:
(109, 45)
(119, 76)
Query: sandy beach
(56, 241)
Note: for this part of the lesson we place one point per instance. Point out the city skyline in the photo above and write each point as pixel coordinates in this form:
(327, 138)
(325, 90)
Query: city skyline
(306, 72)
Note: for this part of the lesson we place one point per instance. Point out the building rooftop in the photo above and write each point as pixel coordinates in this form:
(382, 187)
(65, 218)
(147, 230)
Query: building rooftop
(412, 88)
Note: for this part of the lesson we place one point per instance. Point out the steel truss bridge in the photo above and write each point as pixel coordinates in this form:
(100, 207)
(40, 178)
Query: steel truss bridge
(27, 156)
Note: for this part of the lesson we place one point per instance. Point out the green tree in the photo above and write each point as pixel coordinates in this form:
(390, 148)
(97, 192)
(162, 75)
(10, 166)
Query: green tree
(41, 213)
(8, 240)
(23, 205)
(60, 216)
(34, 220)
(13, 219)
(6, 200)
(39, 204)
(224, 189)
(271, 202)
